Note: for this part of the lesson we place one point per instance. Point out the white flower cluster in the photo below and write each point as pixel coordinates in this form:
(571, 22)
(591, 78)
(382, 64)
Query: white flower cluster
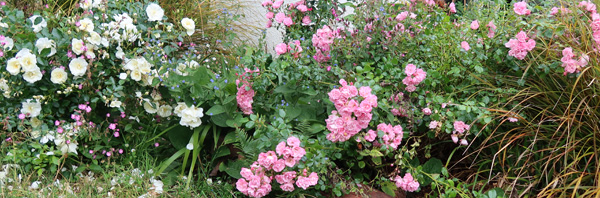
(139, 69)
(4, 88)
(65, 141)
(27, 62)
(190, 116)
(89, 4)
(121, 29)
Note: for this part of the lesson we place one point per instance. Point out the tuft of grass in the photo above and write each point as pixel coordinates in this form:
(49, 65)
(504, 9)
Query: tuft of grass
(553, 149)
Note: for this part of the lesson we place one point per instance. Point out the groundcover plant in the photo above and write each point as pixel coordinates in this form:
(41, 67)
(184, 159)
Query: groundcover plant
(416, 98)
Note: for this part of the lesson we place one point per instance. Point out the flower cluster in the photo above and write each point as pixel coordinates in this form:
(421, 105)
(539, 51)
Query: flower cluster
(298, 10)
(520, 8)
(294, 48)
(245, 93)
(407, 183)
(392, 135)
(459, 130)
(589, 6)
(290, 154)
(595, 24)
(520, 46)
(350, 116)
(256, 181)
(571, 65)
(25, 62)
(414, 76)
(322, 41)
(139, 68)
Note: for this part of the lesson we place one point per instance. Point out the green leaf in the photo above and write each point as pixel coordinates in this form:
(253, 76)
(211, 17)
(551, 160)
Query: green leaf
(180, 136)
(282, 113)
(96, 168)
(495, 192)
(361, 164)
(389, 188)
(215, 110)
(284, 89)
(222, 151)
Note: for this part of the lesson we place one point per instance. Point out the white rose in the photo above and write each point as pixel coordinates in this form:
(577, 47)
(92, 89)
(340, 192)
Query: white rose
(77, 46)
(44, 43)
(8, 43)
(58, 76)
(39, 26)
(31, 109)
(78, 66)
(115, 104)
(165, 111)
(23, 52)
(154, 12)
(90, 53)
(180, 107)
(193, 64)
(86, 25)
(191, 117)
(28, 62)
(13, 66)
(85, 4)
(123, 76)
(69, 148)
(189, 25)
(120, 54)
(94, 38)
(35, 123)
(33, 76)
(136, 75)
(144, 66)
(149, 108)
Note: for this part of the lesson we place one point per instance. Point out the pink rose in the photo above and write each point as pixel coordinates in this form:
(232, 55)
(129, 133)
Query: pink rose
(270, 15)
(288, 21)
(465, 45)
(293, 141)
(267, 2)
(279, 17)
(474, 24)
(427, 111)
(452, 7)
(302, 8)
(520, 8)
(306, 20)
(277, 4)
(281, 48)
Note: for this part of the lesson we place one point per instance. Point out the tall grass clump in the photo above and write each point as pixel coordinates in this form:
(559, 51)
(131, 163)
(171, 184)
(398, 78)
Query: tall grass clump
(548, 141)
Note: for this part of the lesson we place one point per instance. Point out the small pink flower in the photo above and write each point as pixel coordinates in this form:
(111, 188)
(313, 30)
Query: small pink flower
(426, 111)
(267, 2)
(116, 134)
(270, 15)
(277, 4)
(520, 8)
(452, 7)
(279, 17)
(474, 24)
(465, 45)
(306, 20)
(302, 8)
(288, 21)
(21, 116)
(433, 124)
(156, 144)
(281, 48)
